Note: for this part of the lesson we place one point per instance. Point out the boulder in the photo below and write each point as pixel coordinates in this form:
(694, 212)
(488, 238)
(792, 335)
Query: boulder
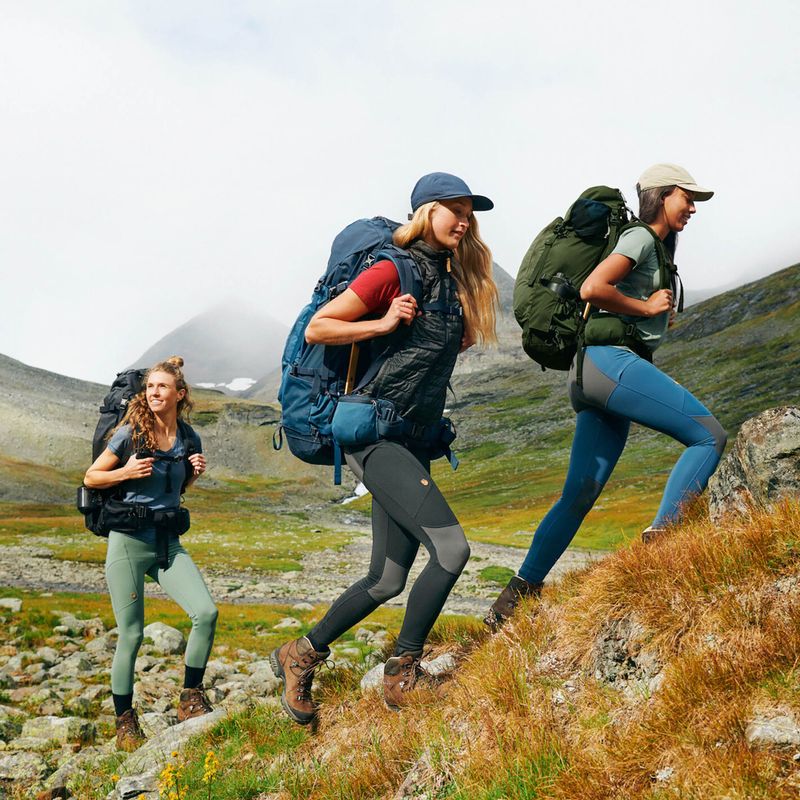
(440, 665)
(373, 680)
(12, 604)
(775, 730)
(60, 729)
(165, 639)
(21, 766)
(762, 466)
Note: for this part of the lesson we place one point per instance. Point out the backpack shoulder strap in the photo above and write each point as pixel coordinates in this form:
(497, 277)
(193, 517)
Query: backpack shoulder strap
(407, 270)
(668, 277)
(190, 439)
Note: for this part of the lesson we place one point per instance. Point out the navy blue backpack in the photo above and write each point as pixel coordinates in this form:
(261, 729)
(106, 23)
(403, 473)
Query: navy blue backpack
(315, 375)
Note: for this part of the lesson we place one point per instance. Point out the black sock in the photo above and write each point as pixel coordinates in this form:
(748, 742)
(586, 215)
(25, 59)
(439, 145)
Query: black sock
(193, 677)
(122, 703)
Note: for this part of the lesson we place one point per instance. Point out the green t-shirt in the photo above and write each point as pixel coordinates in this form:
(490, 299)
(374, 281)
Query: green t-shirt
(642, 281)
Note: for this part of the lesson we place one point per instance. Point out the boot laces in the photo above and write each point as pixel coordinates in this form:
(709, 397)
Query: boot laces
(305, 676)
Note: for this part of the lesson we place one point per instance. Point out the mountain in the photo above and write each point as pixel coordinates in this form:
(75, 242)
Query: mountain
(228, 348)
(505, 288)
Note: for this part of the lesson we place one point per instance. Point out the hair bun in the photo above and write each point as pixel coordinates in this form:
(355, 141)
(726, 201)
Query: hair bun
(176, 361)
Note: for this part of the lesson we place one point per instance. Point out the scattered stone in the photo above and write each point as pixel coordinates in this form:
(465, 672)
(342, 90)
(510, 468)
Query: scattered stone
(773, 731)
(60, 729)
(32, 744)
(303, 607)
(48, 656)
(373, 680)
(622, 660)
(22, 767)
(664, 775)
(262, 681)
(165, 639)
(439, 666)
(70, 625)
(762, 466)
(287, 622)
(13, 604)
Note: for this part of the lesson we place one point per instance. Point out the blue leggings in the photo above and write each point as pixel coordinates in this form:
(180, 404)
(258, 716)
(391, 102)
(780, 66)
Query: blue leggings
(618, 388)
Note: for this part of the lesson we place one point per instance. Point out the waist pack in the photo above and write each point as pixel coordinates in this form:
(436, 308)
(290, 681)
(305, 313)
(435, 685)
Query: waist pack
(360, 420)
(108, 515)
(609, 329)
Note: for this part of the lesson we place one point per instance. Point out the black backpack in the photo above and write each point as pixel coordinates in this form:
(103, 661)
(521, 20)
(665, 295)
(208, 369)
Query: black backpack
(90, 502)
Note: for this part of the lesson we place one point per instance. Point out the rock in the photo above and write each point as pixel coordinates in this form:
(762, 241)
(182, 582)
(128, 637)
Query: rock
(762, 466)
(32, 744)
(10, 728)
(48, 656)
(98, 646)
(154, 723)
(60, 729)
(70, 625)
(73, 666)
(303, 607)
(144, 664)
(145, 785)
(439, 666)
(262, 681)
(92, 628)
(373, 680)
(287, 622)
(165, 639)
(151, 756)
(664, 775)
(13, 604)
(621, 659)
(772, 731)
(22, 767)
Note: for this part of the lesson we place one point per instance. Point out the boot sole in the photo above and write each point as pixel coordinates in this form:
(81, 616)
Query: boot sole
(281, 675)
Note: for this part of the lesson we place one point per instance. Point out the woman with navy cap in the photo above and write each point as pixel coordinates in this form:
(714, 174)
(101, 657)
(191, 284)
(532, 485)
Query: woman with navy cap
(408, 510)
(620, 384)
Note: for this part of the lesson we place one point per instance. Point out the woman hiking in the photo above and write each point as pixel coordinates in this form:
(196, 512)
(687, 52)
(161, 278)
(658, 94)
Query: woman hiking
(408, 510)
(152, 456)
(620, 385)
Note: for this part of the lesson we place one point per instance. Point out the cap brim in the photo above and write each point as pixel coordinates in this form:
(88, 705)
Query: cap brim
(481, 203)
(700, 194)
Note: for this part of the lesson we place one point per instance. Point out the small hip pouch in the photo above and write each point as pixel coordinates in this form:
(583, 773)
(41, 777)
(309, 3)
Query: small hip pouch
(609, 329)
(361, 420)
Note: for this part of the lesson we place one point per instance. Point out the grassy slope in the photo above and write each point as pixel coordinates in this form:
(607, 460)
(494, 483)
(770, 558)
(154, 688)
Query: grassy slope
(715, 611)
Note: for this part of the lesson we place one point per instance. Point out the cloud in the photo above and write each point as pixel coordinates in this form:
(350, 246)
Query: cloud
(158, 156)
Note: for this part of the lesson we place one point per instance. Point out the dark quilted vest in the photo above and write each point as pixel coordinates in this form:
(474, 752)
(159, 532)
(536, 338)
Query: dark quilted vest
(415, 375)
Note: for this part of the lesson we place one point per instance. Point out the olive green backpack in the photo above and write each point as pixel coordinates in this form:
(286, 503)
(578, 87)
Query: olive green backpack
(547, 301)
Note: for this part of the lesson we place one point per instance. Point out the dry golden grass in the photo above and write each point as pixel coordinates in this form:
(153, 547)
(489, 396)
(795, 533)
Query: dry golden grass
(716, 609)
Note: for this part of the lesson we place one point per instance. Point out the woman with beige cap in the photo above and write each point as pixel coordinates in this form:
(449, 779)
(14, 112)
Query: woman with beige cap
(619, 383)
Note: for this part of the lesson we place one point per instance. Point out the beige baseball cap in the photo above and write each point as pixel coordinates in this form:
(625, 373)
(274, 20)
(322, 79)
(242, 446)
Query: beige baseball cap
(673, 175)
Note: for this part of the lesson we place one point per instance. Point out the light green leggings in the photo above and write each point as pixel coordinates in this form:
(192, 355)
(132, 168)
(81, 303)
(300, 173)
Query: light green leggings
(128, 560)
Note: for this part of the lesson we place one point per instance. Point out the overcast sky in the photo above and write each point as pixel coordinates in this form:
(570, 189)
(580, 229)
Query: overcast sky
(156, 157)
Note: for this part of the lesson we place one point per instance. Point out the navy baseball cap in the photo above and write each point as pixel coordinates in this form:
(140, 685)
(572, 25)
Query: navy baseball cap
(443, 186)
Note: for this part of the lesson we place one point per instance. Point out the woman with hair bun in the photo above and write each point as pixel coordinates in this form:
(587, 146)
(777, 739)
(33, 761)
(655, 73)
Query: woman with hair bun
(152, 457)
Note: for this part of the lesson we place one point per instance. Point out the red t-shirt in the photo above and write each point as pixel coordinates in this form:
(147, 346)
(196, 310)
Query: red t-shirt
(377, 286)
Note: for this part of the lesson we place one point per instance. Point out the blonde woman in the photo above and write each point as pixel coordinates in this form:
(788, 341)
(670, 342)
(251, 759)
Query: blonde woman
(457, 309)
(152, 457)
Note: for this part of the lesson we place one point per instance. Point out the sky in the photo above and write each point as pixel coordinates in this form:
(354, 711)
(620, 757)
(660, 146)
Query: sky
(157, 158)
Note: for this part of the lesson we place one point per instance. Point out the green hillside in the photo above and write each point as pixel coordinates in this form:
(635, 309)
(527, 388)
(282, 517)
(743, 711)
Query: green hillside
(739, 353)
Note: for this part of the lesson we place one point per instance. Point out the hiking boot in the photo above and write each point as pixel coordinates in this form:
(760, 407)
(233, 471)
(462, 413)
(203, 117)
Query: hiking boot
(651, 534)
(193, 703)
(400, 676)
(504, 606)
(129, 732)
(294, 663)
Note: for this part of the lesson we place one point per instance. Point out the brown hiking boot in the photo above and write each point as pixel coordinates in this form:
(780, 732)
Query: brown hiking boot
(400, 676)
(193, 703)
(651, 534)
(129, 732)
(504, 606)
(294, 663)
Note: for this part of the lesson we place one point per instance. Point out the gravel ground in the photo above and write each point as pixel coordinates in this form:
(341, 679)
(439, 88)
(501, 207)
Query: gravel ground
(325, 574)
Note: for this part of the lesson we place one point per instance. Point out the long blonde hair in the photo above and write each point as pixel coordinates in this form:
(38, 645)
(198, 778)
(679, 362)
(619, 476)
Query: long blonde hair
(472, 268)
(141, 418)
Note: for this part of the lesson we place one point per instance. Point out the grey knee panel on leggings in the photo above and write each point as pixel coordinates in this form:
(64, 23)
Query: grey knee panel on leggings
(391, 582)
(450, 547)
(711, 424)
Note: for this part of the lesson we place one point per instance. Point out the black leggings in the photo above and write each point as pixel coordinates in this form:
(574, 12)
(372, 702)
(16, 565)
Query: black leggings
(407, 510)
